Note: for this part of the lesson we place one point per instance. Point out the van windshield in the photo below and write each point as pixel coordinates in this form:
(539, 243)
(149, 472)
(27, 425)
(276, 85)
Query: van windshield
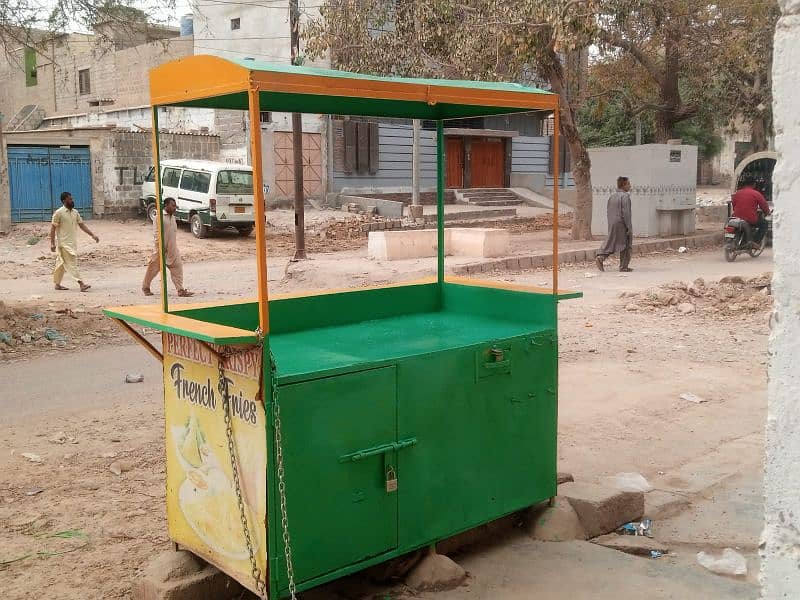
(235, 182)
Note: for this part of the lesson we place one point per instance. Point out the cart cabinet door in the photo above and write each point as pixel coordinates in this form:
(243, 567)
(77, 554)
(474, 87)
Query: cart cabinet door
(339, 443)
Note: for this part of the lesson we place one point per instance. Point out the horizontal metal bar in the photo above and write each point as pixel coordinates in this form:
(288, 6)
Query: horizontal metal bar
(377, 450)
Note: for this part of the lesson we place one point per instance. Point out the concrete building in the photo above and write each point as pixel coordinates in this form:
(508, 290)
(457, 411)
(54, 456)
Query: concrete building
(261, 31)
(780, 576)
(77, 114)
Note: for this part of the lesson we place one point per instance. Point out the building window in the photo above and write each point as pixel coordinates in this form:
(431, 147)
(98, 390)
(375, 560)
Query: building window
(265, 117)
(236, 24)
(84, 84)
(30, 67)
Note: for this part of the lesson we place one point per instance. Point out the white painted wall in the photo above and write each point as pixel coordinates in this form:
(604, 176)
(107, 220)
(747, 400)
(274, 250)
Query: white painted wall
(780, 564)
(263, 35)
(657, 182)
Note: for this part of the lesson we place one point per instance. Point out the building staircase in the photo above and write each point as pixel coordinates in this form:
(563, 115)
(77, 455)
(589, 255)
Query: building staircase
(488, 197)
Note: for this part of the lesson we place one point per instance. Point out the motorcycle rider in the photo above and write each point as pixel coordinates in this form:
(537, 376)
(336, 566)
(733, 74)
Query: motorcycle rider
(746, 202)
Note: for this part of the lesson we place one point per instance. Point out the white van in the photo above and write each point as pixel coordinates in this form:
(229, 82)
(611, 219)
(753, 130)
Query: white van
(209, 195)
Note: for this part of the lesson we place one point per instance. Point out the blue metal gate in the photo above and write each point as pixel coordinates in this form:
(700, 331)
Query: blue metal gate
(38, 175)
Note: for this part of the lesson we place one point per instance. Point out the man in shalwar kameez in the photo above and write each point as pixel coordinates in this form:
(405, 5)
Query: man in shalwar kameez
(64, 225)
(172, 256)
(620, 228)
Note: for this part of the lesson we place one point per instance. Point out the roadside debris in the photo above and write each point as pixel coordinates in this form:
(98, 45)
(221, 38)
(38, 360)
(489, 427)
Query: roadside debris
(729, 563)
(628, 482)
(54, 336)
(683, 250)
(32, 457)
(134, 378)
(643, 528)
(120, 466)
(689, 397)
(656, 554)
(731, 296)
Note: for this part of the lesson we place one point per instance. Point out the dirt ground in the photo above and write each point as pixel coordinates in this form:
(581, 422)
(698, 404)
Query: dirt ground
(72, 528)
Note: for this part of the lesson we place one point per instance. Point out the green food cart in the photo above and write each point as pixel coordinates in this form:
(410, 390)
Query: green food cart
(312, 436)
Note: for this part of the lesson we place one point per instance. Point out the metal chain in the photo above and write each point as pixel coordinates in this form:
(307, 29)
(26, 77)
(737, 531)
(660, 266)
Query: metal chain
(261, 586)
(276, 408)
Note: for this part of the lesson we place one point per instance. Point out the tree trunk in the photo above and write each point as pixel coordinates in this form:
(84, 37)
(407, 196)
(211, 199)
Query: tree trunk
(581, 165)
(758, 133)
(669, 93)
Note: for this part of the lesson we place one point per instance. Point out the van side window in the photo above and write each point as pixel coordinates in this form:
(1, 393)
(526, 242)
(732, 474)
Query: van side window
(171, 177)
(151, 176)
(195, 181)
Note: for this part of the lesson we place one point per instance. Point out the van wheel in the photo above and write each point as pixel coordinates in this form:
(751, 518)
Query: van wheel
(152, 212)
(198, 229)
(245, 231)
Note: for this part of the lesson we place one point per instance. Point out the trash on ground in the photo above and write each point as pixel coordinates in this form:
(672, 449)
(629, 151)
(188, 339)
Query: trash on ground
(58, 438)
(656, 554)
(134, 378)
(33, 457)
(33, 491)
(628, 482)
(5, 338)
(689, 397)
(643, 528)
(589, 275)
(33, 240)
(683, 249)
(37, 316)
(119, 467)
(54, 336)
(729, 563)
(66, 311)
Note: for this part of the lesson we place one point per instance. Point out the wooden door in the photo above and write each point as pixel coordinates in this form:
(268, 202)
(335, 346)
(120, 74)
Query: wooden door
(487, 163)
(454, 162)
(284, 164)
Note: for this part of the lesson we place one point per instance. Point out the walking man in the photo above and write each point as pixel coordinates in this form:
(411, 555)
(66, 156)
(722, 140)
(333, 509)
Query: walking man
(172, 257)
(620, 229)
(65, 223)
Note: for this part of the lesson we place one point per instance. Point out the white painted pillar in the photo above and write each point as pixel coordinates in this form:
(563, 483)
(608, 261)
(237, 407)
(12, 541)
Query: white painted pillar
(780, 553)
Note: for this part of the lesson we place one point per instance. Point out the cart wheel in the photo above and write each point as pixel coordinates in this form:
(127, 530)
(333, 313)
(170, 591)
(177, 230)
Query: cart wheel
(198, 229)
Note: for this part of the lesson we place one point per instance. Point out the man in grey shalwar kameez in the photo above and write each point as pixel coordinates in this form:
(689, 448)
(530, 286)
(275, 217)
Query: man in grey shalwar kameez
(620, 229)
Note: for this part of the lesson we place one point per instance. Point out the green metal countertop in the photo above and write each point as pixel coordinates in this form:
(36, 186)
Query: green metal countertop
(324, 351)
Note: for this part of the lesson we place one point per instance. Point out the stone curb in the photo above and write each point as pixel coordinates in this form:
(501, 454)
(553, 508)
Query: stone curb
(543, 261)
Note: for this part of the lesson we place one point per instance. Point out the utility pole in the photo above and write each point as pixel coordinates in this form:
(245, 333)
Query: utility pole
(297, 144)
(416, 209)
(5, 194)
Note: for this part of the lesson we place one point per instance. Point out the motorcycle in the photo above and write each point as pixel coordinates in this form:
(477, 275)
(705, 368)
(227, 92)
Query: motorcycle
(736, 240)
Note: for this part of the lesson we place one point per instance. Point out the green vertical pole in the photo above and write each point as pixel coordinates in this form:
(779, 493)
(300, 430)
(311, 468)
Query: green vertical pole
(160, 210)
(440, 203)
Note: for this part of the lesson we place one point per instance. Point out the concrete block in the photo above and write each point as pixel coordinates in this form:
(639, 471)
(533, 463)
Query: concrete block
(436, 572)
(478, 241)
(602, 509)
(557, 523)
(182, 576)
(512, 264)
(631, 544)
(525, 262)
(566, 257)
(421, 243)
(580, 256)
(540, 261)
(385, 208)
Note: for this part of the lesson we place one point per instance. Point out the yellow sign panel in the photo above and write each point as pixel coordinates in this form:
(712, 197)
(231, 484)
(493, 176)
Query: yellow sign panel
(203, 510)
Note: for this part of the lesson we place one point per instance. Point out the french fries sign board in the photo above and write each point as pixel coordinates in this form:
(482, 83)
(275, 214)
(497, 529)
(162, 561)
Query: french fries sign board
(203, 512)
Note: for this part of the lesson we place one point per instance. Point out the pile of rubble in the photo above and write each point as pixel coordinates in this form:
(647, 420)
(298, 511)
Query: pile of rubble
(25, 328)
(730, 296)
